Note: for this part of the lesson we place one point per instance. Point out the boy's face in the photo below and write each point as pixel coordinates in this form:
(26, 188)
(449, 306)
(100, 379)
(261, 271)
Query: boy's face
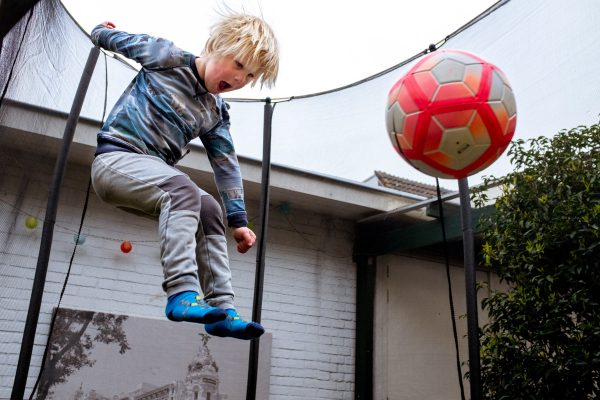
(225, 74)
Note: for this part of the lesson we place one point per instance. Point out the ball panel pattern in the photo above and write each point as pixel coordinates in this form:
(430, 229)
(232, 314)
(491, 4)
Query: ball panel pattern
(452, 115)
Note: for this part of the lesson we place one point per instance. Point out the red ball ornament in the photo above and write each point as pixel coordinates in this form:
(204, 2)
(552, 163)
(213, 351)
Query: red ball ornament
(126, 246)
(452, 114)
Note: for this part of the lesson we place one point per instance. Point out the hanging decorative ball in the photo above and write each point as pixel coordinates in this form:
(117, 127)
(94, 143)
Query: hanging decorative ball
(31, 222)
(79, 239)
(452, 114)
(126, 246)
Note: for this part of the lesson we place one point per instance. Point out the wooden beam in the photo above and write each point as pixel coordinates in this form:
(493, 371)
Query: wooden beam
(371, 241)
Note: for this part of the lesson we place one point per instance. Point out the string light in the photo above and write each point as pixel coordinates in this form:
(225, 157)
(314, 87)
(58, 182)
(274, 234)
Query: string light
(79, 239)
(31, 222)
(126, 246)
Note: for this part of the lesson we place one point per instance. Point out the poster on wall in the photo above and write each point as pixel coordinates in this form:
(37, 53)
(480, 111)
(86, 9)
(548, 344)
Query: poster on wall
(100, 356)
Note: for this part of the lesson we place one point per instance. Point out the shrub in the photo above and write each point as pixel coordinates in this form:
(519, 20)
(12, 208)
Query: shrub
(543, 336)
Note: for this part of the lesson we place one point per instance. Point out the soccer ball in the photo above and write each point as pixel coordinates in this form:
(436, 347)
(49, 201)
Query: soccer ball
(452, 114)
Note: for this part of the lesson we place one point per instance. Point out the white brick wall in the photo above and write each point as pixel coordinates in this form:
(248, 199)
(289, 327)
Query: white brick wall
(309, 288)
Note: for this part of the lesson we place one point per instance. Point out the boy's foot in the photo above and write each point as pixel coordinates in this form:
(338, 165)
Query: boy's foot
(235, 327)
(189, 306)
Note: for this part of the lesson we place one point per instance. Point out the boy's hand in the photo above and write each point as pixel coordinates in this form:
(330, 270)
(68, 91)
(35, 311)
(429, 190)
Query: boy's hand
(244, 237)
(108, 24)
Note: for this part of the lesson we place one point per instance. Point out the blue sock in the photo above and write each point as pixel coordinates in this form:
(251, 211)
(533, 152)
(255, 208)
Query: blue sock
(235, 327)
(189, 306)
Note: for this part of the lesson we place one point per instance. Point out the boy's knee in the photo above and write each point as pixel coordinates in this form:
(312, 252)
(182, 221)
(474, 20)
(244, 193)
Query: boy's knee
(211, 216)
(183, 193)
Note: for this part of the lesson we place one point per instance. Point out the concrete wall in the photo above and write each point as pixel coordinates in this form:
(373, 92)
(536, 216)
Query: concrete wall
(309, 292)
(414, 351)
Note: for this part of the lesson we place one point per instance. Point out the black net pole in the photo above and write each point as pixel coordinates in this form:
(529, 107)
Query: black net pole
(471, 288)
(260, 254)
(39, 280)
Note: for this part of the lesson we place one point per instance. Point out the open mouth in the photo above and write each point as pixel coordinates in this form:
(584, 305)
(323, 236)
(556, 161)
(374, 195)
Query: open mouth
(223, 86)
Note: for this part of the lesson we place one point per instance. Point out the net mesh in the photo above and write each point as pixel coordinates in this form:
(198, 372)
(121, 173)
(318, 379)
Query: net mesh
(339, 133)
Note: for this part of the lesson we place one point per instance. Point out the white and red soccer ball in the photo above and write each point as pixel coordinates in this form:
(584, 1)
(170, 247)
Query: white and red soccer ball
(451, 115)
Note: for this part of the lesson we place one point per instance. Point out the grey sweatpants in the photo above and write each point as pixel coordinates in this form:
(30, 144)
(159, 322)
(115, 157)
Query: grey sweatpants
(190, 221)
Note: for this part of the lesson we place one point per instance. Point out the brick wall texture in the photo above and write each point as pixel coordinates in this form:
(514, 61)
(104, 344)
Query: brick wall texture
(309, 287)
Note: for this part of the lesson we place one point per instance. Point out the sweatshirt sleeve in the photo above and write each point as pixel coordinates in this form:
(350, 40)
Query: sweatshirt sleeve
(147, 50)
(226, 168)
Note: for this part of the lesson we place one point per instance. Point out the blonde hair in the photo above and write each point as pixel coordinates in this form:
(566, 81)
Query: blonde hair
(251, 40)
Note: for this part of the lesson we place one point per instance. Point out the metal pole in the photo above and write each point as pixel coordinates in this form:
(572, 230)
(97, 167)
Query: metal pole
(39, 281)
(366, 271)
(260, 254)
(471, 289)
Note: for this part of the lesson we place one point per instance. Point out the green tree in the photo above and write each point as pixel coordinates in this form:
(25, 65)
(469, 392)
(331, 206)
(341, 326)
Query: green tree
(543, 336)
(74, 336)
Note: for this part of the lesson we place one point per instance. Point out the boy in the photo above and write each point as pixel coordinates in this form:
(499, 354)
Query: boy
(175, 98)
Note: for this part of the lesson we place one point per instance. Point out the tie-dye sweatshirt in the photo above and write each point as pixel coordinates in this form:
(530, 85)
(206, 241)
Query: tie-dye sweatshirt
(165, 107)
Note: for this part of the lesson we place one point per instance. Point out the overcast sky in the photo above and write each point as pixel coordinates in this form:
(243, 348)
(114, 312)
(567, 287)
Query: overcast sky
(325, 44)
